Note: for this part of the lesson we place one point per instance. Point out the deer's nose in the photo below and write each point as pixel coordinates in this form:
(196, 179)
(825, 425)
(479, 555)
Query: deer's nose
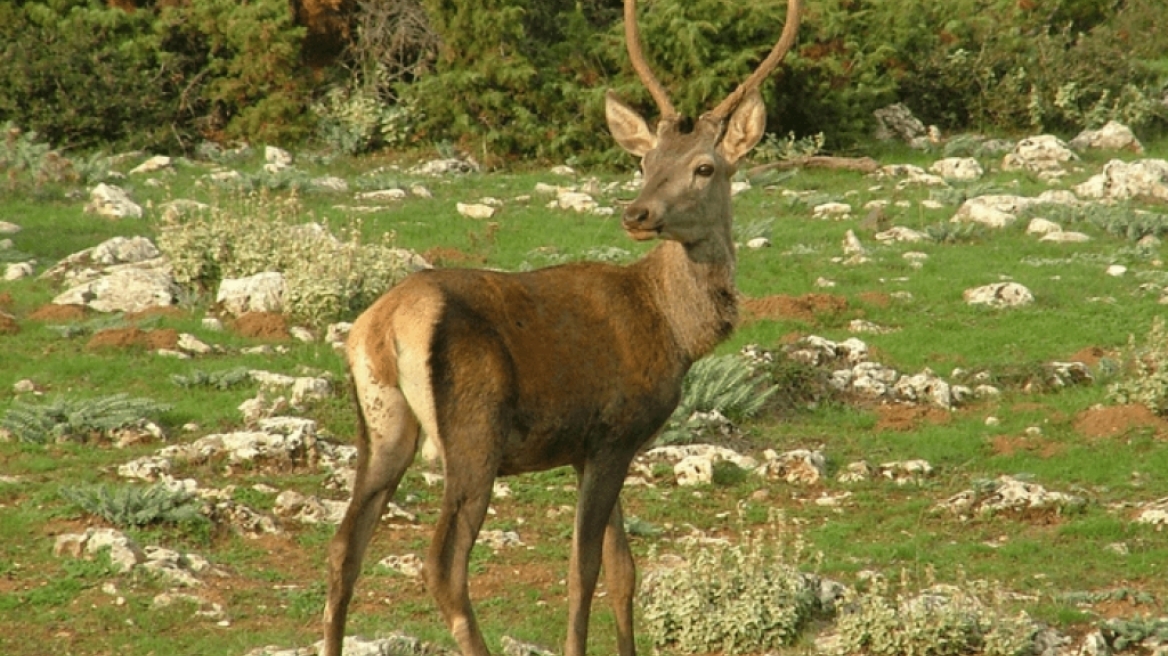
(635, 216)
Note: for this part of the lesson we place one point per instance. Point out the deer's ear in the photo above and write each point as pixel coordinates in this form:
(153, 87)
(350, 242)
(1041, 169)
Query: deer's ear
(745, 127)
(627, 126)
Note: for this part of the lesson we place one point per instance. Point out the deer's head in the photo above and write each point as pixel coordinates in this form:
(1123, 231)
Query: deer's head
(685, 195)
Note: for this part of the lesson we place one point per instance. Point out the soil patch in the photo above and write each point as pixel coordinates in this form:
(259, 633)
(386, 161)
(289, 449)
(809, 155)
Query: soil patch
(801, 308)
(5, 300)
(1089, 356)
(54, 312)
(876, 299)
(157, 311)
(8, 325)
(1008, 445)
(134, 337)
(900, 417)
(446, 256)
(262, 325)
(1117, 420)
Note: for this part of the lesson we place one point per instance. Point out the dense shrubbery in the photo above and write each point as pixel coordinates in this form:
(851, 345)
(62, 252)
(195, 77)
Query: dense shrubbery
(519, 78)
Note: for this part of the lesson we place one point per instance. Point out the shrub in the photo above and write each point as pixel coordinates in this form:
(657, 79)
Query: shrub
(220, 380)
(136, 505)
(327, 278)
(731, 599)
(65, 419)
(940, 621)
(723, 385)
(1146, 371)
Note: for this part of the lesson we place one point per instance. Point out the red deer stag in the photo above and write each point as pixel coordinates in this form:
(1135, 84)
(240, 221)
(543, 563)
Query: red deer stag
(575, 365)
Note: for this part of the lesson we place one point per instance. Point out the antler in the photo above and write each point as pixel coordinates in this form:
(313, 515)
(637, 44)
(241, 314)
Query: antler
(633, 42)
(786, 40)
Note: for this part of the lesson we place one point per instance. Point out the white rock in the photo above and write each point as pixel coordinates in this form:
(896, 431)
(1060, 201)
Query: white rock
(758, 242)
(156, 163)
(999, 294)
(191, 344)
(964, 169)
(421, 191)
(900, 234)
(924, 387)
(7, 228)
(1113, 136)
(798, 467)
(831, 210)
(1040, 226)
(278, 158)
(383, 194)
(563, 170)
(1116, 270)
(409, 565)
(694, 470)
(330, 183)
(476, 210)
(124, 553)
(852, 245)
(18, 270)
(1122, 180)
(739, 186)
(124, 289)
(1066, 237)
(112, 202)
(576, 201)
(263, 292)
(1038, 154)
(302, 334)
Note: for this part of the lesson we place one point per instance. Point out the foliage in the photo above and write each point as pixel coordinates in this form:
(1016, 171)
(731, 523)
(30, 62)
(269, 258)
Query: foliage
(940, 621)
(729, 598)
(719, 387)
(1146, 371)
(220, 380)
(136, 505)
(68, 419)
(354, 121)
(327, 278)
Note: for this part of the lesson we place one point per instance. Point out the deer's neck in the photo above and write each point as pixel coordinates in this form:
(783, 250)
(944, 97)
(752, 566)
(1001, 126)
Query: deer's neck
(694, 289)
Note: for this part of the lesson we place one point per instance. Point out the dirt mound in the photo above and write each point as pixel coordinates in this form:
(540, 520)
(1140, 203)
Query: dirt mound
(262, 325)
(1008, 445)
(900, 417)
(801, 308)
(8, 325)
(1118, 420)
(53, 312)
(169, 311)
(5, 300)
(134, 337)
(1089, 356)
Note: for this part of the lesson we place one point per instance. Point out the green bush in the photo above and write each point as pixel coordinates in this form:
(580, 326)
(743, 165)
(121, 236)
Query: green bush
(66, 419)
(729, 599)
(327, 278)
(1145, 379)
(136, 505)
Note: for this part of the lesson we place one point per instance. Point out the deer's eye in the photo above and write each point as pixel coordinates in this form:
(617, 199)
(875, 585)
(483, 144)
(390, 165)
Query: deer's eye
(705, 170)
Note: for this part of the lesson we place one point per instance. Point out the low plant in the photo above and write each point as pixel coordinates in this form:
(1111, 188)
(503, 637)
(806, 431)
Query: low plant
(327, 277)
(1145, 380)
(730, 598)
(220, 380)
(76, 419)
(722, 386)
(136, 505)
(969, 618)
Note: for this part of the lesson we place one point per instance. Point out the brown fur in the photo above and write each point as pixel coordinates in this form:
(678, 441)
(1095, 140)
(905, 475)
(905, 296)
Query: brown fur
(574, 365)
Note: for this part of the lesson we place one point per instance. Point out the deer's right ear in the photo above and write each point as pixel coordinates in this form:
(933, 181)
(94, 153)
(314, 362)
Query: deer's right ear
(627, 126)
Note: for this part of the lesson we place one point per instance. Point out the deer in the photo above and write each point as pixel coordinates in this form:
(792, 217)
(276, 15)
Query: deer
(574, 365)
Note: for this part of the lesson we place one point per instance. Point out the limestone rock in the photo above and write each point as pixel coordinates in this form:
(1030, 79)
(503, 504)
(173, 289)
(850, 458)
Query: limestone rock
(1113, 136)
(1122, 180)
(1000, 294)
(1039, 154)
(124, 289)
(962, 169)
(263, 292)
(112, 202)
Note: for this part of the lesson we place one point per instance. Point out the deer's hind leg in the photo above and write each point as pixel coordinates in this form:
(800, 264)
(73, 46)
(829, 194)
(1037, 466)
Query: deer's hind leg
(387, 442)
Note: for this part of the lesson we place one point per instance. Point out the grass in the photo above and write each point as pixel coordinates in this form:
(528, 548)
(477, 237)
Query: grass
(273, 590)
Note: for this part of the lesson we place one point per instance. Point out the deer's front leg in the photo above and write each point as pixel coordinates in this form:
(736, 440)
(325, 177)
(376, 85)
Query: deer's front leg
(620, 576)
(600, 485)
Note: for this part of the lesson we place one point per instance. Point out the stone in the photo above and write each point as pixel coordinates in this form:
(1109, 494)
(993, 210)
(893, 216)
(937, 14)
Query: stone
(277, 158)
(694, 470)
(445, 167)
(999, 295)
(897, 122)
(1008, 494)
(925, 387)
(124, 553)
(7, 228)
(962, 169)
(409, 565)
(263, 292)
(1112, 136)
(831, 210)
(1122, 180)
(124, 289)
(112, 202)
(18, 270)
(1065, 237)
(900, 234)
(1038, 154)
(152, 165)
(798, 467)
(476, 210)
(1039, 226)
(758, 242)
(576, 201)
(383, 194)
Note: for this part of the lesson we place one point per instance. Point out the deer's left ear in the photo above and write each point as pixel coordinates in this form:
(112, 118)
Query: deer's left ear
(745, 127)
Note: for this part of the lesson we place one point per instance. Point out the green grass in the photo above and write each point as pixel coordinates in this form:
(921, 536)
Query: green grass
(274, 588)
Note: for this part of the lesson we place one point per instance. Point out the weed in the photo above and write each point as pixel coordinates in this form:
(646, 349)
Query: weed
(725, 385)
(1146, 381)
(67, 419)
(136, 505)
(220, 380)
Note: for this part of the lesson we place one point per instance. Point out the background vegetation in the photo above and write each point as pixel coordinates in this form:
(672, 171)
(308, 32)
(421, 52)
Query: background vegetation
(504, 79)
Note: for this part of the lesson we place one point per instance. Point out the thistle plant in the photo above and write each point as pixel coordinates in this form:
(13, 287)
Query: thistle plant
(76, 419)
